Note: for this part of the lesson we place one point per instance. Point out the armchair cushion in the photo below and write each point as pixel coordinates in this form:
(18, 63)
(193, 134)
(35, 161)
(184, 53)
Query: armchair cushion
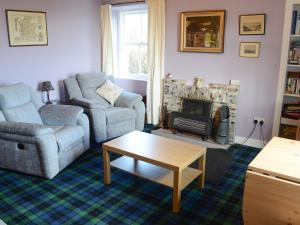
(109, 91)
(26, 113)
(55, 115)
(117, 115)
(67, 135)
(86, 103)
(24, 129)
(14, 95)
(19, 103)
(127, 99)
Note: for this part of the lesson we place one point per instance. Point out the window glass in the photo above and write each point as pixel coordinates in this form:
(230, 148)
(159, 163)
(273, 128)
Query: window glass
(133, 44)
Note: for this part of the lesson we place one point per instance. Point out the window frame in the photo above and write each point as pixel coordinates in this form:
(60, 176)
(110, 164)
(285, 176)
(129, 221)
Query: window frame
(120, 27)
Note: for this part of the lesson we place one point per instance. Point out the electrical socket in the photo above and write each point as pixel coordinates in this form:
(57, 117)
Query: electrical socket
(259, 119)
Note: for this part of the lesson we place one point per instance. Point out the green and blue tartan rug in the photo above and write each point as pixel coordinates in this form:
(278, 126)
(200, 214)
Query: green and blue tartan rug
(78, 196)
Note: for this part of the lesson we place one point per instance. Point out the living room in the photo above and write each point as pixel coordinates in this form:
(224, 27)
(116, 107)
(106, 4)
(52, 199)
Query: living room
(124, 77)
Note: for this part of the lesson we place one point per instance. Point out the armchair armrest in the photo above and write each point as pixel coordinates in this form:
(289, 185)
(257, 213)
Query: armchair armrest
(24, 129)
(55, 115)
(87, 103)
(127, 99)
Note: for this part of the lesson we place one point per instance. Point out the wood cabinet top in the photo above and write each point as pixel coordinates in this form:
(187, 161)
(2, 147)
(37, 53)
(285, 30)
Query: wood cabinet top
(280, 158)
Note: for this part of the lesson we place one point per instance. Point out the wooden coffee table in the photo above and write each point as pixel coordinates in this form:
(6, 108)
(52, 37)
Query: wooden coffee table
(158, 159)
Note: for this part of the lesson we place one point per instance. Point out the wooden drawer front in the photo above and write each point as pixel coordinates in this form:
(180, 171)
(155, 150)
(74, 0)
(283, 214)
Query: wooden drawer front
(270, 201)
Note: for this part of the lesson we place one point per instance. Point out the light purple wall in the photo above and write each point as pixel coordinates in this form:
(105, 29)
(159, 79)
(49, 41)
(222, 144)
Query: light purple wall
(258, 77)
(74, 46)
(136, 86)
(74, 43)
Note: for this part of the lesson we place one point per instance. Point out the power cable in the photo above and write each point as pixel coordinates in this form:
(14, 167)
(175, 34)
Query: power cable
(251, 132)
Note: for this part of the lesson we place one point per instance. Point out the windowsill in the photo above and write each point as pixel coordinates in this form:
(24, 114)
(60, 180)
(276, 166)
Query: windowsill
(134, 78)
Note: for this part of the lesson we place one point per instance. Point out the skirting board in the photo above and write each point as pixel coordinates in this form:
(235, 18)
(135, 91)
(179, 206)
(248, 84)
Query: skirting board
(251, 142)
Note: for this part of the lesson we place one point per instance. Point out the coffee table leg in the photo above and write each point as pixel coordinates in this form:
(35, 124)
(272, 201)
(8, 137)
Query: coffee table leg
(106, 166)
(177, 191)
(201, 181)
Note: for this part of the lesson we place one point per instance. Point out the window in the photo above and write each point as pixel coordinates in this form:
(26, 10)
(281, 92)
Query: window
(132, 44)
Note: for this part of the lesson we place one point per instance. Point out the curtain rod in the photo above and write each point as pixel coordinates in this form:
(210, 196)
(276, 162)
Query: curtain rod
(123, 3)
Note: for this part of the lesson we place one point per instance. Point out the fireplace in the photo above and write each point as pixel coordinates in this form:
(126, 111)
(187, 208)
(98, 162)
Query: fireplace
(223, 96)
(194, 117)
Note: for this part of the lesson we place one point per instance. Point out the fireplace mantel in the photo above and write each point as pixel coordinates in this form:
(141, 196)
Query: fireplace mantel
(220, 94)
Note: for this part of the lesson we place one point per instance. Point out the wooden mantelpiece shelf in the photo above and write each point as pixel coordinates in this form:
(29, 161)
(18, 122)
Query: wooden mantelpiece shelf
(154, 173)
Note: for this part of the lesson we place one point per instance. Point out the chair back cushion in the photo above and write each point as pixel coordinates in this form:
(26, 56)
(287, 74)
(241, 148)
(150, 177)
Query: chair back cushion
(115, 115)
(25, 114)
(89, 83)
(2, 118)
(72, 88)
(20, 103)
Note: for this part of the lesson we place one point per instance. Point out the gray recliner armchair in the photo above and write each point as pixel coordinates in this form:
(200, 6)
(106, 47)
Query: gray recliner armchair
(106, 121)
(39, 139)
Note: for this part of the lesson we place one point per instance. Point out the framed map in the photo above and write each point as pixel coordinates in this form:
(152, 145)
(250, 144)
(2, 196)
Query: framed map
(26, 28)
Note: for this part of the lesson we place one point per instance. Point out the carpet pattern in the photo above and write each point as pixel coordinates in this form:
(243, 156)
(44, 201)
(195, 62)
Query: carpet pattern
(77, 196)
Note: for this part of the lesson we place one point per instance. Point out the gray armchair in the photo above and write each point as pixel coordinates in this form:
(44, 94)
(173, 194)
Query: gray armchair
(106, 121)
(39, 139)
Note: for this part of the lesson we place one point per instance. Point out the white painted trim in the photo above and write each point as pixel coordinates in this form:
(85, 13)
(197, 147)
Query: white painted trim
(283, 64)
(256, 143)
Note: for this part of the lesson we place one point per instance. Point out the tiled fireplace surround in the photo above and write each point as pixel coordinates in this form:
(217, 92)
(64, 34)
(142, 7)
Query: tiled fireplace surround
(175, 90)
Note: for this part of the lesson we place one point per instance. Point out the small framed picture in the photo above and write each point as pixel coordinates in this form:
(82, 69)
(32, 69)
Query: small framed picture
(250, 49)
(26, 28)
(252, 24)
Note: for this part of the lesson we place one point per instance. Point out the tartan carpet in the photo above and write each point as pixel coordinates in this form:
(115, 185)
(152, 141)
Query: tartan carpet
(78, 196)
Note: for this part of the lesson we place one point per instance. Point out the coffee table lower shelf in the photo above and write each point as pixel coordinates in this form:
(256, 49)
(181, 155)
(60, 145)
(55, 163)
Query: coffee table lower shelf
(154, 173)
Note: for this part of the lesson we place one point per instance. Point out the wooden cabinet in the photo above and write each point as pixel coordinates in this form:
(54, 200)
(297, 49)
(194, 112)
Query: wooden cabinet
(272, 185)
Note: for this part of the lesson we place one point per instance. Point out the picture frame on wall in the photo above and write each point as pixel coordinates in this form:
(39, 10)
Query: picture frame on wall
(250, 49)
(202, 31)
(26, 28)
(252, 24)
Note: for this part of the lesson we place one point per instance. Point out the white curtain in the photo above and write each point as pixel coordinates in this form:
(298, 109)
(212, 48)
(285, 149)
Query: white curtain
(106, 38)
(156, 54)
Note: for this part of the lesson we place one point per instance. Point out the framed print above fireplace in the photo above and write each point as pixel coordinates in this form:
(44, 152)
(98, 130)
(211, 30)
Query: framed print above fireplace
(202, 31)
(26, 28)
(250, 49)
(252, 24)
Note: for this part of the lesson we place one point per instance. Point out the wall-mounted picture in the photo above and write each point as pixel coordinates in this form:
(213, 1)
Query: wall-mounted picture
(250, 49)
(202, 31)
(26, 28)
(252, 24)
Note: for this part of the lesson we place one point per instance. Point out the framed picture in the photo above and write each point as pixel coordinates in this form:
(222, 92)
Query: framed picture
(252, 24)
(250, 49)
(26, 28)
(202, 31)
